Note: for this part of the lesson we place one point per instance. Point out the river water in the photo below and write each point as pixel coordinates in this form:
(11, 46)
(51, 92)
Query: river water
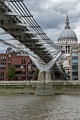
(30, 107)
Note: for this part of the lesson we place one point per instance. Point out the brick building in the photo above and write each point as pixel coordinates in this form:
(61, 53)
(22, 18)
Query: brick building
(23, 65)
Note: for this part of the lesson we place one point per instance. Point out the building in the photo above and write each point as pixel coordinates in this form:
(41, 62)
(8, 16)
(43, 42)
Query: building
(23, 65)
(3, 66)
(75, 62)
(67, 39)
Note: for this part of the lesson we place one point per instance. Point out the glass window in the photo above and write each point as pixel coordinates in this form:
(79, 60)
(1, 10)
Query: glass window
(75, 77)
(23, 61)
(74, 54)
(17, 66)
(75, 61)
(75, 49)
(75, 70)
(68, 49)
(75, 67)
(18, 72)
(2, 73)
(75, 73)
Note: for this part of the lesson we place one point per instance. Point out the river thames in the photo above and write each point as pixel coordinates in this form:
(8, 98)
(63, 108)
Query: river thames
(30, 107)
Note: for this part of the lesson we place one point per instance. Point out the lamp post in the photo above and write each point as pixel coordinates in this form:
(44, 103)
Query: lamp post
(22, 70)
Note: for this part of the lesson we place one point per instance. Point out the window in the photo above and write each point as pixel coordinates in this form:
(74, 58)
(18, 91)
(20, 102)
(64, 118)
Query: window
(75, 61)
(74, 54)
(1, 78)
(9, 55)
(23, 78)
(75, 73)
(23, 61)
(30, 72)
(18, 72)
(75, 70)
(75, 49)
(75, 77)
(2, 74)
(29, 66)
(17, 66)
(29, 60)
(23, 72)
(68, 49)
(74, 66)
(1, 67)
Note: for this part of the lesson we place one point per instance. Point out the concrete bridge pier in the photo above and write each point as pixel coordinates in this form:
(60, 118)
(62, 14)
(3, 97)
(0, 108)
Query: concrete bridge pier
(44, 87)
(44, 76)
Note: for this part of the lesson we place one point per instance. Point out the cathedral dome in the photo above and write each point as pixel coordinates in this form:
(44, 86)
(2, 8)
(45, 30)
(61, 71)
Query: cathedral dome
(67, 33)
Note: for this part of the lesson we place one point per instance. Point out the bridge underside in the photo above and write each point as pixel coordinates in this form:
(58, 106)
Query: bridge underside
(17, 21)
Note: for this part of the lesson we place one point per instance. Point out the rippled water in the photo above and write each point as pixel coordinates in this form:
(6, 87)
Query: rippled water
(61, 107)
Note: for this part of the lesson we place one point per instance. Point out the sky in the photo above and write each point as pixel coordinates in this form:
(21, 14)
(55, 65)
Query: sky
(51, 16)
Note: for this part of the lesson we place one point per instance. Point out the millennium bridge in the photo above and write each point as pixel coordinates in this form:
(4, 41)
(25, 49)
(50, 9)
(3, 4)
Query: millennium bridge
(17, 21)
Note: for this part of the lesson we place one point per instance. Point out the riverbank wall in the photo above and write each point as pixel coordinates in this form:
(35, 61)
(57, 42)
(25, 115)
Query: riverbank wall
(29, 87)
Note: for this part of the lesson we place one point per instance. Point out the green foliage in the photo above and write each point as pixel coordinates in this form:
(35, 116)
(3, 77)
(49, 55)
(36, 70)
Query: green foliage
(35, 75)
(11, 72)
(58, 74)
(63, 69)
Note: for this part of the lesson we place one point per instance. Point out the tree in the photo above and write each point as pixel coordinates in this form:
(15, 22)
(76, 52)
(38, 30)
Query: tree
(57, 73)
(63, 69)
(35, 75)
(11, 72)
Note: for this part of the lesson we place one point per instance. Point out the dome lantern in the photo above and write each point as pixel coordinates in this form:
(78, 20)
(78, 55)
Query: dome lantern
(67, 26)
(67, 33)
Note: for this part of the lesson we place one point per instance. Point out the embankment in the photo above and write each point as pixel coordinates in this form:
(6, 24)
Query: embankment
(59, 87)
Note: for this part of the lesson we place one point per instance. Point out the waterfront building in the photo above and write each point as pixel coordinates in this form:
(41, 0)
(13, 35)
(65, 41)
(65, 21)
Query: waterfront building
(67, 39)
(75, 62)
(22, 63)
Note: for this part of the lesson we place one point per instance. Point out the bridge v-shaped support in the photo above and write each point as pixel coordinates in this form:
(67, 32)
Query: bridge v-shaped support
(44, 69)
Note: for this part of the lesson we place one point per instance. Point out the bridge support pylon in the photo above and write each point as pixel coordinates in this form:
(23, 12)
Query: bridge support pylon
(44, 86)
(44, 76)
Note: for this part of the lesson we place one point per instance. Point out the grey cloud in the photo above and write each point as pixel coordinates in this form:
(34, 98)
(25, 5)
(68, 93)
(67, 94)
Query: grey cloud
(35, 5)
(50, 20)
(66, 6)
(53, 34)
(52, 15)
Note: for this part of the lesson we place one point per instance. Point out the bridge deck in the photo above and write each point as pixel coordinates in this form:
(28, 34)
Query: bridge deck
(16, 19)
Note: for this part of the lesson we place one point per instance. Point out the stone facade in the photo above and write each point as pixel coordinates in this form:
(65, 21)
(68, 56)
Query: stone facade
(67, 39)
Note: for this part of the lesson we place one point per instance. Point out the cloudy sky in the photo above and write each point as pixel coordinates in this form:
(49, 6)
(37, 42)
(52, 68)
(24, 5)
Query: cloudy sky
(51, 16)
